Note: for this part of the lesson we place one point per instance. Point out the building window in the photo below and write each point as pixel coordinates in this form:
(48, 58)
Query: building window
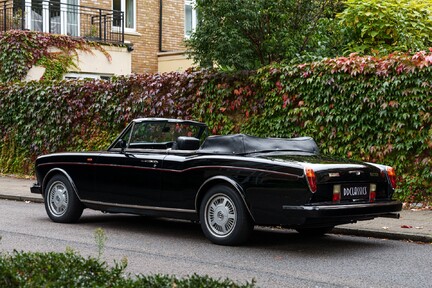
(128, 8)
(190, 17)
(53, 16)
(77, 76)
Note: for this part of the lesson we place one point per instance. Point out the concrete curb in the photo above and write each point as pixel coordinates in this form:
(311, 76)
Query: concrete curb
(22, 198)
(383, 234)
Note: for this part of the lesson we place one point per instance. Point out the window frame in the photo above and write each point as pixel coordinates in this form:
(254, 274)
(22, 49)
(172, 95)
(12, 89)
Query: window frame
(46, 18)
(123, 9)
(192, 3)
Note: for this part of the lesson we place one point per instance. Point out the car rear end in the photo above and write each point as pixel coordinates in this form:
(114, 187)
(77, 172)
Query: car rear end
(345, 193)
(358, 183)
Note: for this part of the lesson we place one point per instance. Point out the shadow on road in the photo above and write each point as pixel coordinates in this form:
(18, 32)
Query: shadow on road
(270, 239)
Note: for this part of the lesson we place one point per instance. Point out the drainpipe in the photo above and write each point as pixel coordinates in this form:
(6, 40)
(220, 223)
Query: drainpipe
(23, 11)
(160, 26)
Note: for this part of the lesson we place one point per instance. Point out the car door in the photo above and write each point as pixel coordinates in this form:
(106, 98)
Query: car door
(181, 180)
(128, 179)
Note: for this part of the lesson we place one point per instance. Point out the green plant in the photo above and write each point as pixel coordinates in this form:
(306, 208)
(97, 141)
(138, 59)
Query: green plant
(17, 19)
(56, 64)
(69, 269)
(381, 27)
(237, 35)
(27, 48)
(366, 108)
(100, 238)
(93, 31)
(162, 281)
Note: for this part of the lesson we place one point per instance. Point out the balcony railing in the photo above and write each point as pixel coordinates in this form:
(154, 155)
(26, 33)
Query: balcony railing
(95, 24)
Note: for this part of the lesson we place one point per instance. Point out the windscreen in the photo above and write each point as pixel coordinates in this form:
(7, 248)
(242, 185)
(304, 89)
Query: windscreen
(154, 132)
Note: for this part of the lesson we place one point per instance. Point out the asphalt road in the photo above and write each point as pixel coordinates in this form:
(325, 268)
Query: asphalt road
(274, 258)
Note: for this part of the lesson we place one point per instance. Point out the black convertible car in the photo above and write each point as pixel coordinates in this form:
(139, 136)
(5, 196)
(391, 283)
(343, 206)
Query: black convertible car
(174, 168)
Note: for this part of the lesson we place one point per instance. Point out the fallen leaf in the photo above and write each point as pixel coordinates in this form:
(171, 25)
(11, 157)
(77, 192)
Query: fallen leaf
(406, 226)
(419, 227)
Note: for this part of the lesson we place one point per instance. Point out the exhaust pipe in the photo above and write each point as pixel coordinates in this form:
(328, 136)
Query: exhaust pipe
(390, 215)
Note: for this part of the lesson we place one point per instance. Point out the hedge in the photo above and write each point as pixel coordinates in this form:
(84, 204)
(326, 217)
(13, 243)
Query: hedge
(69, 269)
(365, 108)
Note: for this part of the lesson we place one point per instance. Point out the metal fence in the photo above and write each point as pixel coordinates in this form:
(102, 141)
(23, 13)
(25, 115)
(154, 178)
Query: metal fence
(102, 25)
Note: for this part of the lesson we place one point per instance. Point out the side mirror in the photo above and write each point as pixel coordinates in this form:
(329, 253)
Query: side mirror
(122, 144)
(187, 143)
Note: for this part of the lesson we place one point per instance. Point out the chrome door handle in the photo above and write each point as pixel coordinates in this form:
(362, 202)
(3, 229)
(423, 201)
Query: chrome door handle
(154, 162)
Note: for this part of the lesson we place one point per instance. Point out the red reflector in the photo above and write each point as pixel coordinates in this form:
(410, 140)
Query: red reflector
(372, 196)
(310, 176)
(392, 176)
(336, 197)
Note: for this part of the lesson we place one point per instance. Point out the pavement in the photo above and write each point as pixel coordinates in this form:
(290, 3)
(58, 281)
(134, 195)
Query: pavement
(413, 225)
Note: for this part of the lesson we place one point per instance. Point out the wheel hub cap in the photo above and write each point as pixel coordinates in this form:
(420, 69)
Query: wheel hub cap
(221, 215)
(58, 199)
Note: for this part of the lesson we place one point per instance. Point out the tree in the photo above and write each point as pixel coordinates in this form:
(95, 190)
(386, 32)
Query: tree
(248, 34)
(382, 27)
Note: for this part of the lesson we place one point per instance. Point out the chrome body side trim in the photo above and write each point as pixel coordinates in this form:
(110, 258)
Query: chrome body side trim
(139, 206)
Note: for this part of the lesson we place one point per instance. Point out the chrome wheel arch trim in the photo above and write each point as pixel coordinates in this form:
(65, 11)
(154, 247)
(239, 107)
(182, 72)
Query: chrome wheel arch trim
(221, 179)
(60, 171)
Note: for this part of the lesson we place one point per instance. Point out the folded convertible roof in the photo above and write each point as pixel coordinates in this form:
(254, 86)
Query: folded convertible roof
(238, 144)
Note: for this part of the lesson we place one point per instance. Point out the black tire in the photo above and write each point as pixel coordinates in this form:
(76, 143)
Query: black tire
(315, 232)
(61, 203)
(224, 217)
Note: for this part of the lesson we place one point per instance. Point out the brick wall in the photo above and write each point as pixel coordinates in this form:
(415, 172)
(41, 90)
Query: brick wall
(103, 4)
(146, 38)
(173, 25)
(146, 44)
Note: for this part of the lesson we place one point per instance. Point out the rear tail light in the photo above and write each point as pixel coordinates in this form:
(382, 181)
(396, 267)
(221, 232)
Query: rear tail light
(336, 193)
(311, 179)
(372, 193)
(391, 176)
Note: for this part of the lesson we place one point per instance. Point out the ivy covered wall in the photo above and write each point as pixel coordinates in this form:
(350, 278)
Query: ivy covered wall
(366, 108)
(21, 50)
